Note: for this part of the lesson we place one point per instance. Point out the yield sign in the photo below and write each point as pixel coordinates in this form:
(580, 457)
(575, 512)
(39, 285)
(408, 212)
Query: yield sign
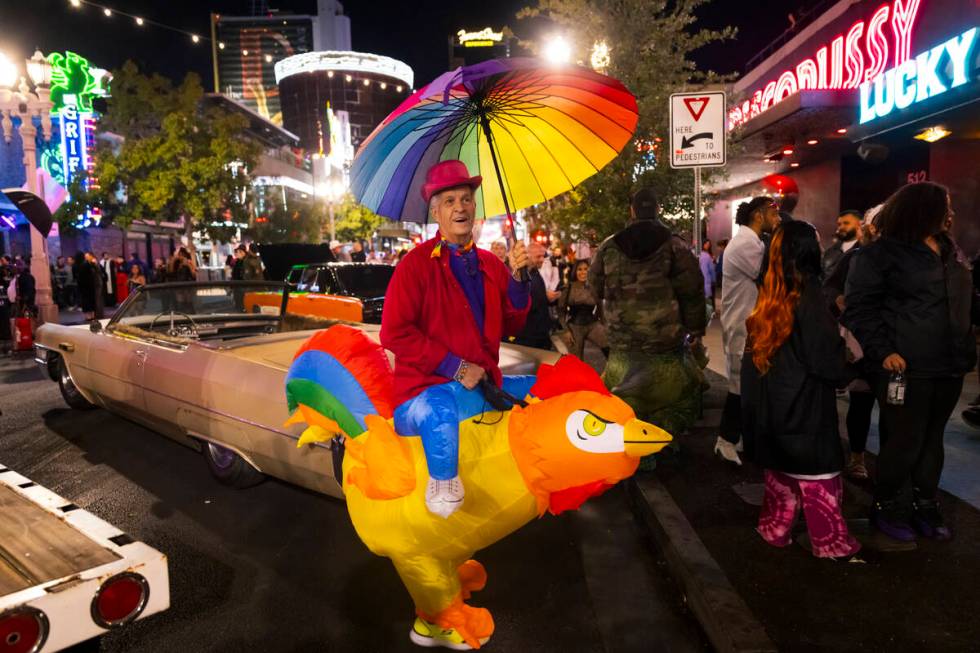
(696, 105)
(697, 129)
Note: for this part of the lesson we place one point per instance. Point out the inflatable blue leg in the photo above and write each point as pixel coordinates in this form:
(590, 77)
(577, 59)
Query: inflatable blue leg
(432, 414)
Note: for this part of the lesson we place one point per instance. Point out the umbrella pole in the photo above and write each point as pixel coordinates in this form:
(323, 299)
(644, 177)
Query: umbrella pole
(512, 237)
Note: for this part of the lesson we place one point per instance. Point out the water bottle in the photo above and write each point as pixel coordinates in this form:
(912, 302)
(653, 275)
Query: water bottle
(896, 389)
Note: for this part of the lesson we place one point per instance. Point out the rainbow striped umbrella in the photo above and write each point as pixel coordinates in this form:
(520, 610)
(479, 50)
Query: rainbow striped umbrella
(532, 131)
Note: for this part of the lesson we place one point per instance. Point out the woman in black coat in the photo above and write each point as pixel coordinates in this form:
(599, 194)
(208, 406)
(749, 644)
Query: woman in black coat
(911, 304)
(91, 282)
(796, 359)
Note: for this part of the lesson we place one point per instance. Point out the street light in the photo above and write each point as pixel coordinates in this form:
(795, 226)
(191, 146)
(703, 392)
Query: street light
(25, 104)
(39, 70)
(332, 191)
(557, 50)
(8, 72)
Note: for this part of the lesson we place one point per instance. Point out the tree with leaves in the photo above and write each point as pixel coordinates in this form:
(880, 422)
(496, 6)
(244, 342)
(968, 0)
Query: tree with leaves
(353, 221)
(177, 159)
(295, 221)
(649, 50)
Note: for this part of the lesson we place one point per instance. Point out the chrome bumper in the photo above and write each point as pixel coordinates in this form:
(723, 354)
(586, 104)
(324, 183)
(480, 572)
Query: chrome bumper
(41, 355)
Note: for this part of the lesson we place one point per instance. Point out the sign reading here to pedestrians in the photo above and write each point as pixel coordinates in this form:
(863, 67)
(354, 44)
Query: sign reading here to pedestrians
(697, 130)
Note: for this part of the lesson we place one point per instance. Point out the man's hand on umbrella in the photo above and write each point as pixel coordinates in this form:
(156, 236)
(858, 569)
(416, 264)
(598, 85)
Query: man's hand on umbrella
(518, 257)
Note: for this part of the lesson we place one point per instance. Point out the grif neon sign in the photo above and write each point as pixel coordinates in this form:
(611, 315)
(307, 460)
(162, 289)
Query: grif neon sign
(74, 140)
(850, 59)
(930, 74)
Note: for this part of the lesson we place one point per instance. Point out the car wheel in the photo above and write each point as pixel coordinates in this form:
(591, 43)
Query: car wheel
(69, 392)
(54, 366)
(230, 468)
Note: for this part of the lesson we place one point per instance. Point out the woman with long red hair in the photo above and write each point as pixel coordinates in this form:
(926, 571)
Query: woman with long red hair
(798, 360)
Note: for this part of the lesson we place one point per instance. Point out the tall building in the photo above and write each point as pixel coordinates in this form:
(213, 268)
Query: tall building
(332, 27)
(246, 49)
(325, 90)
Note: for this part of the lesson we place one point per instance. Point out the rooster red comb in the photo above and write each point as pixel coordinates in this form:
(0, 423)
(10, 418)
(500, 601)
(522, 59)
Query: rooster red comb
(569, 374)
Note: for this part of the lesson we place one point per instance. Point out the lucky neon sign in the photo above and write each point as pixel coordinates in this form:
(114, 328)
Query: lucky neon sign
(930, 74)
(850, 59)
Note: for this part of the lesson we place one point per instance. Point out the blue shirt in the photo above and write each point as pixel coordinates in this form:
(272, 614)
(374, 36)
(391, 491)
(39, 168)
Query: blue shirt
(465, 265)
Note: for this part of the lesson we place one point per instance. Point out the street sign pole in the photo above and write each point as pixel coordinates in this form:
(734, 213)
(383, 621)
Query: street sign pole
(697, 140)
(697, 211)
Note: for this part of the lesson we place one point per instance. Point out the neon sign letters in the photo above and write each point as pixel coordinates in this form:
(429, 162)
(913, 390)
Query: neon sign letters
(74, 141)
(850, 59)
(483, 38)
(930, 74)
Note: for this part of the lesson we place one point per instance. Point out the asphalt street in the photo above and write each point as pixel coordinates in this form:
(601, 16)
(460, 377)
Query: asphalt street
(277, 568)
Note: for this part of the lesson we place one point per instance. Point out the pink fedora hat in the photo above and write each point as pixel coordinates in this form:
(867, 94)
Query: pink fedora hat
(448, 174)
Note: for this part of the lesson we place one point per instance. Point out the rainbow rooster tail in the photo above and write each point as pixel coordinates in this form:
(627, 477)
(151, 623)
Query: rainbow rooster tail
(340, 382)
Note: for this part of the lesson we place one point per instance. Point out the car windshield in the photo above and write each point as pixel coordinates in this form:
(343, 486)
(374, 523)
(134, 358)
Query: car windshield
(209, 302)
(365, 281)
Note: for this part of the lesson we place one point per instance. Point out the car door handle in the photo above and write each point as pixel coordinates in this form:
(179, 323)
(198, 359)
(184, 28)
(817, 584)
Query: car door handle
(66, 346)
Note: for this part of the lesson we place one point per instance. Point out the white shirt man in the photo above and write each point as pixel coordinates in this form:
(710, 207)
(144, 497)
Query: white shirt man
(741, 267)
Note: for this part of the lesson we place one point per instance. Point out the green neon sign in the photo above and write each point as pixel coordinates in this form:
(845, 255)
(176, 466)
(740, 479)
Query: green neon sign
(50, 160)
(72, 75)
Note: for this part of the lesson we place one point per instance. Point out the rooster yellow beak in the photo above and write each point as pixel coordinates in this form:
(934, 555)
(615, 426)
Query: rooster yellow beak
(643, 438)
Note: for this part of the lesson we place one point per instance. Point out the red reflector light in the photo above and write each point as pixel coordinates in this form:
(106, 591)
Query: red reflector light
(23, 630)
(120, 600)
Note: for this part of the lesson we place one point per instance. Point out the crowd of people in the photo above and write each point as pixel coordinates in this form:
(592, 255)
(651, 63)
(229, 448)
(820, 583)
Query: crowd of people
(92, 284)
(883, 315)
(886, 314)
(356, 252)
(87, 283)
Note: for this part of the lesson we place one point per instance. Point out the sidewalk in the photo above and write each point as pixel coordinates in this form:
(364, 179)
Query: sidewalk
(914, 598)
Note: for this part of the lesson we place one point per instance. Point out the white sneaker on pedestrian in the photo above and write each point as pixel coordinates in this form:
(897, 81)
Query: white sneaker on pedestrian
(727, 450)
(443, 498)
(739, 446)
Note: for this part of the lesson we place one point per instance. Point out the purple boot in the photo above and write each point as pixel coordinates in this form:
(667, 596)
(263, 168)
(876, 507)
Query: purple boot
(890, 518)
(928, 520)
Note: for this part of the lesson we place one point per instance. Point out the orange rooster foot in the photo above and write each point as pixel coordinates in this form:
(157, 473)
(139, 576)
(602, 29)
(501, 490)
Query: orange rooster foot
(472, 577)
(459, 627)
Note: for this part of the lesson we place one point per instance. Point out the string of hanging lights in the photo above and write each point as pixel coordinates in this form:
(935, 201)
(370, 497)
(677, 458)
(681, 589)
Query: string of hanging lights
(140, 21)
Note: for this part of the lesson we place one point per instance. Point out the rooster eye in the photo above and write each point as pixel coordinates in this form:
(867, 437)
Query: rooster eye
(589, 432)
(592, 425)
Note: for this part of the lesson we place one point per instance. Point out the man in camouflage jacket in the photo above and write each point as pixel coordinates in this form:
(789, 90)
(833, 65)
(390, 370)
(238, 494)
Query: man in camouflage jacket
(652, 295)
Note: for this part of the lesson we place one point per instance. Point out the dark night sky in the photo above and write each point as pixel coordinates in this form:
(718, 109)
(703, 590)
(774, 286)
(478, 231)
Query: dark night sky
(414, 32)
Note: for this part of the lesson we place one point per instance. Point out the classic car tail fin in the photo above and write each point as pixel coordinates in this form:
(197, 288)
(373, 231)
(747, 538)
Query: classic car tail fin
(342, 375)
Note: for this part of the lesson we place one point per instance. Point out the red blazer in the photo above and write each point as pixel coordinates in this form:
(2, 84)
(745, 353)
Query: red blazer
(426, 316)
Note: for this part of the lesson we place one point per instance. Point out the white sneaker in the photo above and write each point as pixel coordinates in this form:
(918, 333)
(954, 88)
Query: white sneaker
(739, 447)
(443, 498)
(728, 451)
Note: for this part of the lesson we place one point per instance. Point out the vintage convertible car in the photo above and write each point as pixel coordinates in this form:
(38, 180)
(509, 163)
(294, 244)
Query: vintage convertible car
(338, 291)
(189, 361)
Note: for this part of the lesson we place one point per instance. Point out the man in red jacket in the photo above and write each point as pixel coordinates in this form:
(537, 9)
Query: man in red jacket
(447, 307)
